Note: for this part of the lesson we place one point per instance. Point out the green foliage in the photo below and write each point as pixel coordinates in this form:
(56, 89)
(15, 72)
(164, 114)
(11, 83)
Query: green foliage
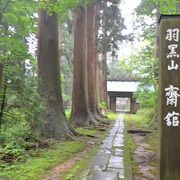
(168, 6)
(154, 7)
(23, 105)
(63, 7)
(102, 105)
(15, 141)
(146, 97)
(142, 119)
(111, 24)
(68, 114)
(35, 167)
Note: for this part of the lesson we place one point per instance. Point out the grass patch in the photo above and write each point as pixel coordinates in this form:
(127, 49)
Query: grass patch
(129, 150)
(68, 114)
(35, 167)
(112, 116)
(142, 119)
(86, 132)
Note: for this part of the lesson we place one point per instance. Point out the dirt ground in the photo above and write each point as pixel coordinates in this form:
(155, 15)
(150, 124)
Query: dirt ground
(145, 158)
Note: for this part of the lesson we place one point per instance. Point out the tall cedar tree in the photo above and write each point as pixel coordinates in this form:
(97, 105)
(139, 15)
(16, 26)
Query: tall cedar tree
(81, 114)
(92, 59)
(55, 124)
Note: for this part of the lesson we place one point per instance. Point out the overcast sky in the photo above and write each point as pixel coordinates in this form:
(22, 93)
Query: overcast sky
(127, 9)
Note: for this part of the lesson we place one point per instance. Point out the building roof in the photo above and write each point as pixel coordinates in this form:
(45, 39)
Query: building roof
(122, 86)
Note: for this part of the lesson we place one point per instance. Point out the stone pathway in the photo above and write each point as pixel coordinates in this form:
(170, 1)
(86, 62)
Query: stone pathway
(108, 164)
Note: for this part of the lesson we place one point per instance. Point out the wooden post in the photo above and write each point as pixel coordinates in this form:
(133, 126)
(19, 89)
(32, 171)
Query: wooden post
(112, 103)
(169, 100)
(133, 106)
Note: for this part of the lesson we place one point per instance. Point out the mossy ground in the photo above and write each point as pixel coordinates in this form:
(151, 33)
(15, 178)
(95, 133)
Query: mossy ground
(41, 160)
(129, 147)
(112, 116)
(35, 167)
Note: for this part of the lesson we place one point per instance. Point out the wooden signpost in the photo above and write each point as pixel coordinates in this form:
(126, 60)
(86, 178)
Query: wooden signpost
(169, 97)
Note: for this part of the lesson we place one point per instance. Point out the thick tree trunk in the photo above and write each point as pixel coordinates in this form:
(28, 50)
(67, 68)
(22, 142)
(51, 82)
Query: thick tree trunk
(81, 115)
(55, 124)
(92, 59)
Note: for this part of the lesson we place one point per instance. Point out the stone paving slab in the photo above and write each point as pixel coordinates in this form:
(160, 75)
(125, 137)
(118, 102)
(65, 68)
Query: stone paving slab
(108, 175)
(99, 162)
(115, 162)
(108, 164)
(118, 152)
(118, 144)
(104, 152)
(106, 146)
(119, 171)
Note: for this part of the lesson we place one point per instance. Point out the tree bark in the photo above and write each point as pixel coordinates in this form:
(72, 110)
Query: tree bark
(54, 121)
(99, 86)
(104, 77)
(92, 59)
(81, 115)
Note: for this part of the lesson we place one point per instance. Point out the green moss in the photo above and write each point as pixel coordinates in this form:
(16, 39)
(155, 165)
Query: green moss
(84, 131)
(112, 116)
(142, 119)
(130, 147)
(68, 114)
(127, 157)
(34, 168)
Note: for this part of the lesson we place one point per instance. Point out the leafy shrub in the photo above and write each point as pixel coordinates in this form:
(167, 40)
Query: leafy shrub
(22, 114)
(103, 105)
(15, 140)
(68, 113)
(146, 97)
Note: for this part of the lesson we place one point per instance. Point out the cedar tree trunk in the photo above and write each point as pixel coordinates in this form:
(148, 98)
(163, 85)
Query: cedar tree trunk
(104, 77)
(92, 59)
(55, 124)
(81, 115)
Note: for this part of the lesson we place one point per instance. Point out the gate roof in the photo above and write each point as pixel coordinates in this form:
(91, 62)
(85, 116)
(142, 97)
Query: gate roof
(122, 86)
